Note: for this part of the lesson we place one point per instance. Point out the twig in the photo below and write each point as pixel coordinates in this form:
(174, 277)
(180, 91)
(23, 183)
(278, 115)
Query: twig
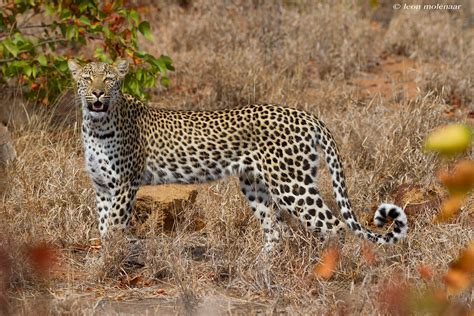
(35, 26)
(8, 59)
(53, 40)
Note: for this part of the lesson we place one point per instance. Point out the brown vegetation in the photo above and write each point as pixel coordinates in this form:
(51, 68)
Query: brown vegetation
(328, 59)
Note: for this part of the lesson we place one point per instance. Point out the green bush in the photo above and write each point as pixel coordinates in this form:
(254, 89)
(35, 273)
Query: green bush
(34, 54)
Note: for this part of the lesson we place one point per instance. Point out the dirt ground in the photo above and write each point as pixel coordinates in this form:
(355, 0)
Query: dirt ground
(381, 79)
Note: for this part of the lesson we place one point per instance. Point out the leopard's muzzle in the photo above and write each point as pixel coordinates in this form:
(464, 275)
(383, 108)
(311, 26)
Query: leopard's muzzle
(97, 102)
(97, 106)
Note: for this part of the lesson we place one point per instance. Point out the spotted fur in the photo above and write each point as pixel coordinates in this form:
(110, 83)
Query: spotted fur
(271, 148)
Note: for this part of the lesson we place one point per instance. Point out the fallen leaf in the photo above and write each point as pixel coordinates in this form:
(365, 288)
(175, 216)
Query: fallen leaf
(42, 257)
(394, 297)
(160, 292)
(368, 254)
(326, 268)
(136, 281)
(455, 101)
(449, 112)
(426, 272)
(95, 243)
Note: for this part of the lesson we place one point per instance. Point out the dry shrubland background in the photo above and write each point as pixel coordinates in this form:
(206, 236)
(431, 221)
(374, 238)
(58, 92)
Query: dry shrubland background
(381, 79)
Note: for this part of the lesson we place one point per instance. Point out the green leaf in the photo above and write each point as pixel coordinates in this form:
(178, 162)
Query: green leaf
(144, 28)
(83, 6)
(69, 32)
(168, 62)
(165, 81)
(134, 16)
(85, 20)
(373, 3)
(27, 70)
(34, 70)
(65, 14)
(62, 66)
(106, 31)
(42, 60)
(12, 48)
(96, 27)
(49, 8)
(139, 74)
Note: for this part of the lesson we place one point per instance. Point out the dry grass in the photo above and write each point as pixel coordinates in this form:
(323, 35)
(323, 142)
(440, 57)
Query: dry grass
(446, 45)
(226, 55)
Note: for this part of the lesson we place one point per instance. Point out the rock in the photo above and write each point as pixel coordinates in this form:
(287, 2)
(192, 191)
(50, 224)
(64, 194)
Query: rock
(414, 198)
(157, 206)
(13, 112)
(7, 152)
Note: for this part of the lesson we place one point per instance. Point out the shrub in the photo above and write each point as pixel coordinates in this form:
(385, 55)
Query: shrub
(38, 37)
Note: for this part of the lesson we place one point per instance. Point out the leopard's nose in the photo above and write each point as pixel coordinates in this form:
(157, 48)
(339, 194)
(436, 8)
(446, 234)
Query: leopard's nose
(97, 93)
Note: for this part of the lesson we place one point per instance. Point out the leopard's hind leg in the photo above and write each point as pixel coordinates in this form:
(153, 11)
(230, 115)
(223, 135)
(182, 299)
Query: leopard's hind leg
(260, 201)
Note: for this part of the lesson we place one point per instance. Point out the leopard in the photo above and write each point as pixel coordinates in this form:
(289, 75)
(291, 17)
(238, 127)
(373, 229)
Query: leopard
(272, 149)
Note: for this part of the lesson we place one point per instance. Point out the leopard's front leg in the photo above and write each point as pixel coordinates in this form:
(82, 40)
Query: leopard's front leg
(104, 204)
(115, 208)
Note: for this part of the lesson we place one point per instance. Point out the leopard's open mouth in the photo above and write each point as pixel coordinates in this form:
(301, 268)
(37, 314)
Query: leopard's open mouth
(98, 106)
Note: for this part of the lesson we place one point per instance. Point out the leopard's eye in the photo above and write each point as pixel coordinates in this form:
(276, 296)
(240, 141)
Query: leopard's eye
(109, 80)
(87, 78)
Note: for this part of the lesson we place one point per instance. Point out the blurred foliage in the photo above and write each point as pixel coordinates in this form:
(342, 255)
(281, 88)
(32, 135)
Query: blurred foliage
(450, 139)
(405, 299)
(38, 37)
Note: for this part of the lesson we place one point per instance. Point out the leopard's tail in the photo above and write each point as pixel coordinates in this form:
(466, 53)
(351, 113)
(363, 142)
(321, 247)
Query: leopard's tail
(384, 211)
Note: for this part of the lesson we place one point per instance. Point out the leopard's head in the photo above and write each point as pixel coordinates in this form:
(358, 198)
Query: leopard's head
(98, 84)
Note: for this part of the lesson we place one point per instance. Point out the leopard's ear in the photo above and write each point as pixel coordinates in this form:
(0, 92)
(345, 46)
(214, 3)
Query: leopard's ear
(75, 68)
(121, 65)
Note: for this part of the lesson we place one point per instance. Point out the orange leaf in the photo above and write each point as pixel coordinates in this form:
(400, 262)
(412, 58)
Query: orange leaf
(394, 297)
(127, 34)
(449, 208)
(95, 244)
(42, 257)
(465, 262)
(136, 281)
(459, 275)
(143, 9)
(368, 254)
(326, 268)
(455, 101)
(160, 292)
(108, 6)
(426, 272)
(461, 180)
(456, 280)
(137, 61)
